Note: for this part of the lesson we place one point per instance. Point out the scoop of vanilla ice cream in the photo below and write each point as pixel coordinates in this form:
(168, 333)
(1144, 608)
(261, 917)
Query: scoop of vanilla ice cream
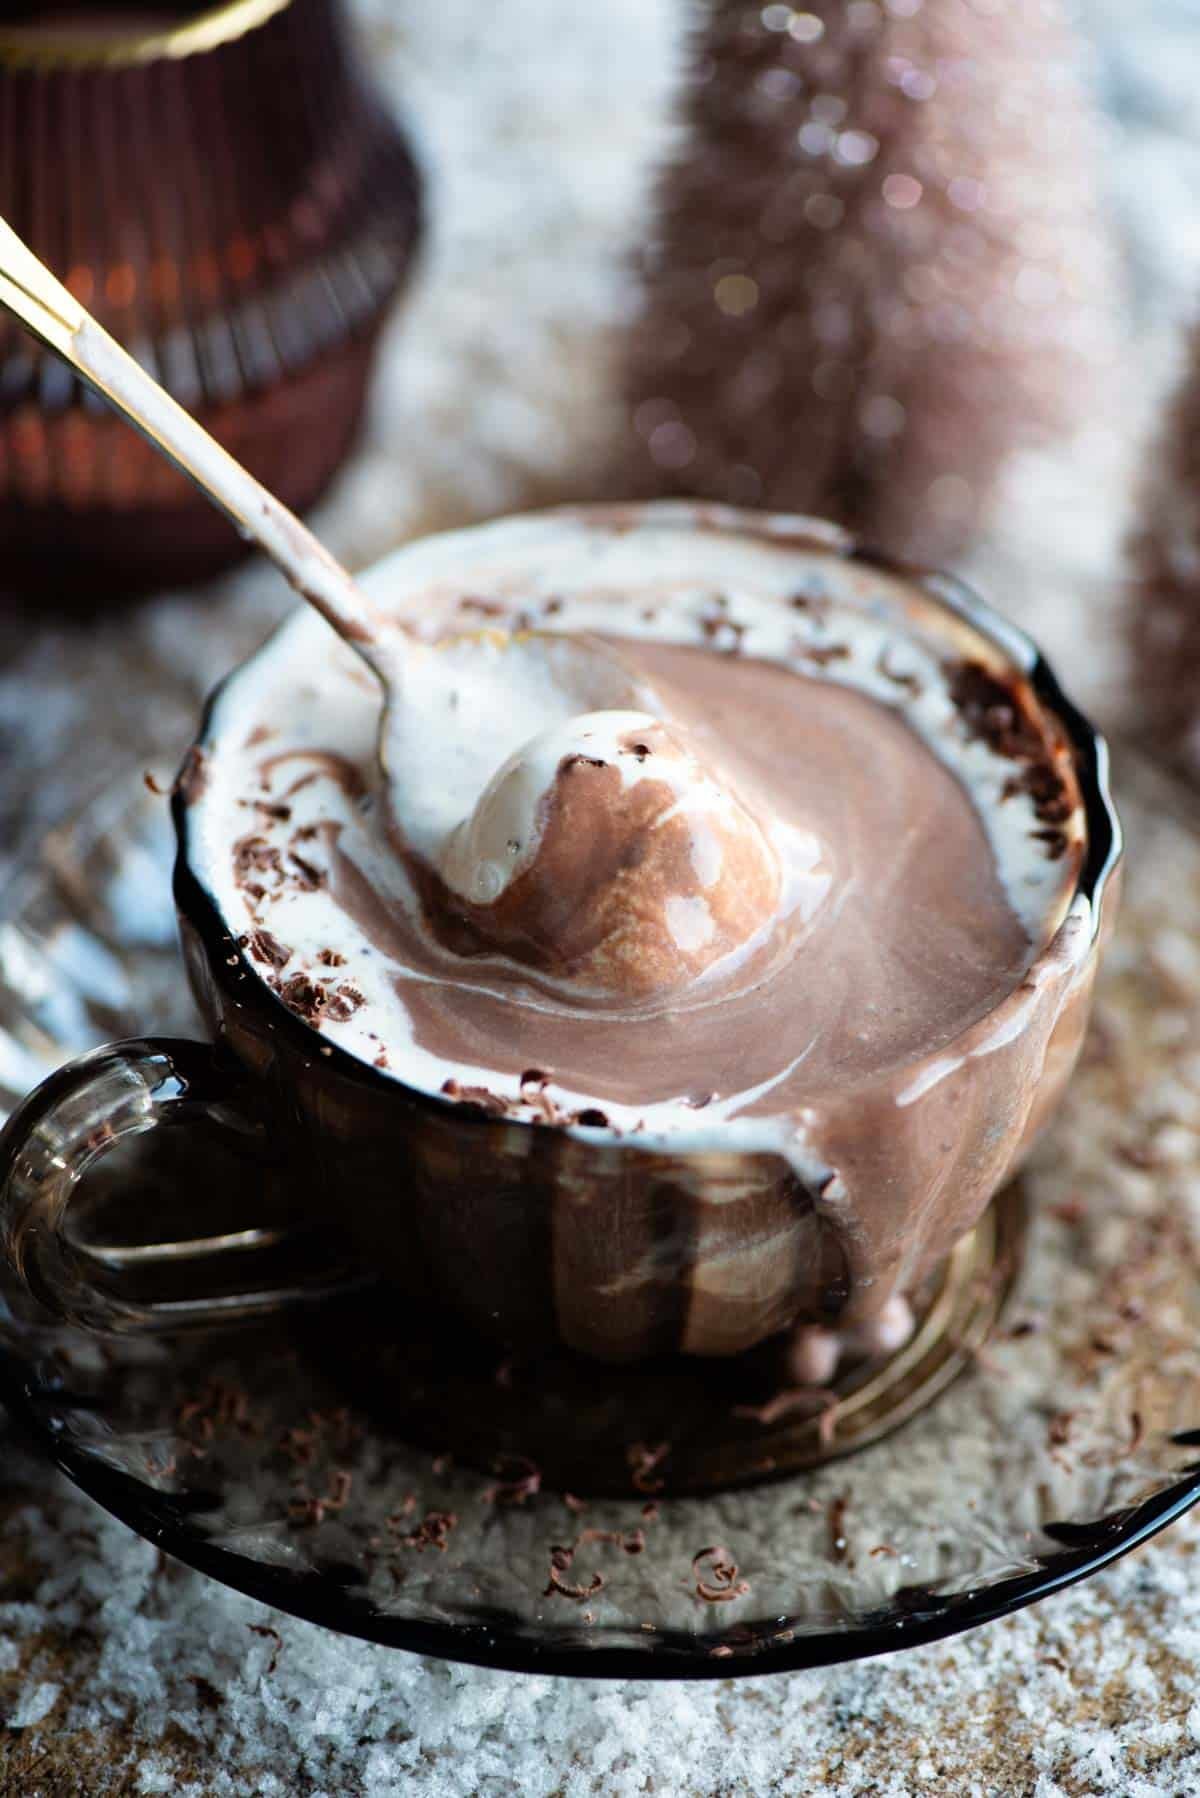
(463, 705)
(606, 854)
(559, 818)
(481, 856)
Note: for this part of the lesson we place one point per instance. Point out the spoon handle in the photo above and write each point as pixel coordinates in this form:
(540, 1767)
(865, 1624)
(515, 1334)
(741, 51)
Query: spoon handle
(33, 295)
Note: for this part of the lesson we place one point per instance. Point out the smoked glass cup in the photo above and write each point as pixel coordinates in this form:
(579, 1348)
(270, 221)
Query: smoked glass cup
(535, 1234)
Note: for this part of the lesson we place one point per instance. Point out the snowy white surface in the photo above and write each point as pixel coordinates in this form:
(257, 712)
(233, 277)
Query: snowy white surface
(1091, 1693)
(494, 391)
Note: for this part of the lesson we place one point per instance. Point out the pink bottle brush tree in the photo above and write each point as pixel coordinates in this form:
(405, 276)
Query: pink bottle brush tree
(1166, 610)
(877, 265)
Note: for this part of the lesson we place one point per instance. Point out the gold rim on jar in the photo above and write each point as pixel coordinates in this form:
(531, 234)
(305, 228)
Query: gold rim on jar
(34, 47)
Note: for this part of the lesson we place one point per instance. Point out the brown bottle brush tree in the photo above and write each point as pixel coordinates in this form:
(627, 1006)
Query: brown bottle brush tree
(876, 265)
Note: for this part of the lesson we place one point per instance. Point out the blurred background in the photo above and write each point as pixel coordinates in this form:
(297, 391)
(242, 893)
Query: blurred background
(927, 266)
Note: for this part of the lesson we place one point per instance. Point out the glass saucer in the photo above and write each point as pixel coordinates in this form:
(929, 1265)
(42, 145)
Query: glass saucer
(339, 1464)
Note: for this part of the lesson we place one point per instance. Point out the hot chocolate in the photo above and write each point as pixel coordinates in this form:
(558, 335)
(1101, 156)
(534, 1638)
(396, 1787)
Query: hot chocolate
(736, 845)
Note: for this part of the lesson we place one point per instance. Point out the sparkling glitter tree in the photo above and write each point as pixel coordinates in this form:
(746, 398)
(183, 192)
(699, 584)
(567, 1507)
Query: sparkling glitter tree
(1166, 614)
(876, 267)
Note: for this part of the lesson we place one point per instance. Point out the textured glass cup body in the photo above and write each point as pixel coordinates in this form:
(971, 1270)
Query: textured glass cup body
(538, 1235)
(623, 1251)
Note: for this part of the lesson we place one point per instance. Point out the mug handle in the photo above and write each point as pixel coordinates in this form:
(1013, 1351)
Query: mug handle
(66, 1126)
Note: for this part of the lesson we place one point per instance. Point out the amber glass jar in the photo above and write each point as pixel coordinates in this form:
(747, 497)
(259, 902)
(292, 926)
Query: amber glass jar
(221, 186)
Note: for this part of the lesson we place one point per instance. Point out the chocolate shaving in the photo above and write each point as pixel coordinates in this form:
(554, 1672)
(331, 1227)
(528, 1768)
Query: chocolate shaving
(343, 1003)
(822, 654)
(813, 1400)
(995, 712)
(725, 634)
(992, 711)
(899, 677)
(433, 1531)
(532, 1097)
(304, 997)
(839, 1544)
(330, 958)
(192, 779)
(254, 855)
(1044, 785)
(477, 1096)
(154, 786)
(643, 1462)
(269, 808)
(1056, 841)
(267, 948)
(272, 1635)
(716, 1575)
(305, 1508)
(817, 605)
(487, 608)
(219, 1406)
(557, 1587)
(311, 877)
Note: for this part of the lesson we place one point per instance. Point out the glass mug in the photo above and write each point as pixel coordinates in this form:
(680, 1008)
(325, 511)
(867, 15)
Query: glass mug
(533, 1234)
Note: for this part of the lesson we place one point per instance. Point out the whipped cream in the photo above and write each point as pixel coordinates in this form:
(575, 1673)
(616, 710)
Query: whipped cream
(911, 863)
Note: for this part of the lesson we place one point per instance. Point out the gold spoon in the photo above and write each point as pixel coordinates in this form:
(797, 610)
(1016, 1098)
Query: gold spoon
(33, 295)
